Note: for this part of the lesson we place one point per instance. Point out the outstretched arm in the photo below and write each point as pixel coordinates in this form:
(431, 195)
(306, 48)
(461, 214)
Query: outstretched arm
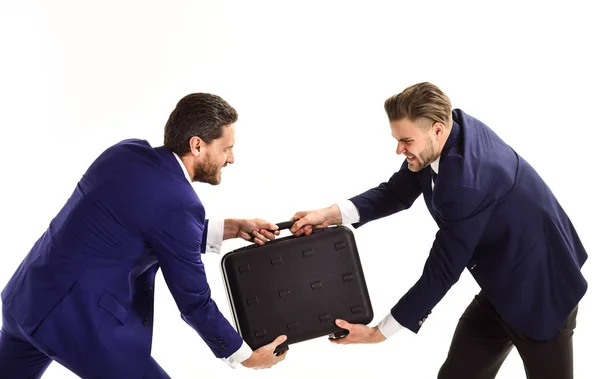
(398, 193)
(177, 242)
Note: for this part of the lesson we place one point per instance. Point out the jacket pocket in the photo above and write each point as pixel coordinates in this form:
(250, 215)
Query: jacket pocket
(112, 306)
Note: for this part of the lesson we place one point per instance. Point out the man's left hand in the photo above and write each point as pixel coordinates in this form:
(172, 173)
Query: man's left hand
(358, 333)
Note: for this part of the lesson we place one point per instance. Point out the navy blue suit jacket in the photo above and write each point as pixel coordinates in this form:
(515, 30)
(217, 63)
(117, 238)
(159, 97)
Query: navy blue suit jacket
(498, 219)
(84, 293)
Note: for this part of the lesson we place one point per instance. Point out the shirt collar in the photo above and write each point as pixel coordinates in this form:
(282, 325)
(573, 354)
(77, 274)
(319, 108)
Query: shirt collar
(185, 171)
(435, 165)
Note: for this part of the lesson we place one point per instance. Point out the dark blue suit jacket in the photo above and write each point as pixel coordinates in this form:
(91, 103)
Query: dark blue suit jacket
(84, 293)
(497, 218)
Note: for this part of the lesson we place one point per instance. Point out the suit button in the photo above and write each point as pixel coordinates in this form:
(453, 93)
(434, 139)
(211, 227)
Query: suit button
(146, 322)
(150, 290)
(420, 323)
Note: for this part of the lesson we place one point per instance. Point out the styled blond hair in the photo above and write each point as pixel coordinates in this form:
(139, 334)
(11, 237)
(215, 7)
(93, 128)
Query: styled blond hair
(418, 101)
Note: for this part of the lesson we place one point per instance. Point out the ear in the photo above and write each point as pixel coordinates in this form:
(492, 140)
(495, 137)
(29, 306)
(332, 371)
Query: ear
(196, 146)
(438, 129)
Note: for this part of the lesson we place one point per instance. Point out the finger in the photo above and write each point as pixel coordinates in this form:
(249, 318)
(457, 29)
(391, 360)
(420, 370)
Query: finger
(298, 215)
(339, 341)
(263, 224)
(347, 340)
(245, 236)
(281, 356)
(304, 229)
(345, 325)
(297, 226)
(300, 219)
(259, 236)
(307, 229)
(277, 341)
(267, 234)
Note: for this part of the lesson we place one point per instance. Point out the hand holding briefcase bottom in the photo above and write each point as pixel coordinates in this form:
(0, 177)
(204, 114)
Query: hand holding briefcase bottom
(297, 286)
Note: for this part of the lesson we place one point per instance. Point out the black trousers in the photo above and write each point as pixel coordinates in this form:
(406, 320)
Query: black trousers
(482, 341)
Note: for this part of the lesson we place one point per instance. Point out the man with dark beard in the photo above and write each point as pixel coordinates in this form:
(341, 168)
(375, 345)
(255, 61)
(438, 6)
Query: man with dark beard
(497, 218)
(83, 296)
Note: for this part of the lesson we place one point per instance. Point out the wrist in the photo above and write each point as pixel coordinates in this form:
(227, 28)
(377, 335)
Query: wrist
(231, 228)
(248, 362)
(333, 215)
(377, 336)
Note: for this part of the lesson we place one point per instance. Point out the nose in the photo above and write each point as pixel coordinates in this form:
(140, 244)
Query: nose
(230, 158)
(400, 148)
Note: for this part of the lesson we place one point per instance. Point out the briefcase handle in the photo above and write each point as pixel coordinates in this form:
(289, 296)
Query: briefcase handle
(288, 224)
(285, 225)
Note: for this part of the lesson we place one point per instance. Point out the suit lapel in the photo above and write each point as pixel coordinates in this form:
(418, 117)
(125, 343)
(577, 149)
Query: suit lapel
(425, 182)
(425, 177)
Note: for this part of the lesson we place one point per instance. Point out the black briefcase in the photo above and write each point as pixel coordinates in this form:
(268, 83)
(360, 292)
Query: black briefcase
(297, 286)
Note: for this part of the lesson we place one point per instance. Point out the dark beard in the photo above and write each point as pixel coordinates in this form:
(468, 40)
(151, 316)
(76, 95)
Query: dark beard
(207, 173)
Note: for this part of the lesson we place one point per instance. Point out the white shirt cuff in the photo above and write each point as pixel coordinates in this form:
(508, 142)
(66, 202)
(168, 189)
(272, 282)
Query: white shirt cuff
(389, 326)
(243, 353)
(214, 238)
(349, 212)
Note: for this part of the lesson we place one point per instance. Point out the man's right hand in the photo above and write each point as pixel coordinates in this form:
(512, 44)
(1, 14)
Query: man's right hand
(306, 221)
(264, 356)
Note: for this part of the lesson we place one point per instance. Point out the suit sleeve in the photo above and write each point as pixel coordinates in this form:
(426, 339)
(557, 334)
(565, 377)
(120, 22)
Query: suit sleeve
(464, 212)
(205, 241)
(177, 242)
(397, 194)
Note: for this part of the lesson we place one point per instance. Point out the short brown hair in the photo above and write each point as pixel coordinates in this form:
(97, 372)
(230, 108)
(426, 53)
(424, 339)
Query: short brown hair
(420, 100)
(201, 115)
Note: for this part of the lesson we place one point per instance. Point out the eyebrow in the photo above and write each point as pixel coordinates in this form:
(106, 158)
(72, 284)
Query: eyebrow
(405, 139)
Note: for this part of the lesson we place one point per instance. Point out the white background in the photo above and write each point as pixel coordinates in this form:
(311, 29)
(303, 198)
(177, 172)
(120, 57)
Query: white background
(309, 80)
